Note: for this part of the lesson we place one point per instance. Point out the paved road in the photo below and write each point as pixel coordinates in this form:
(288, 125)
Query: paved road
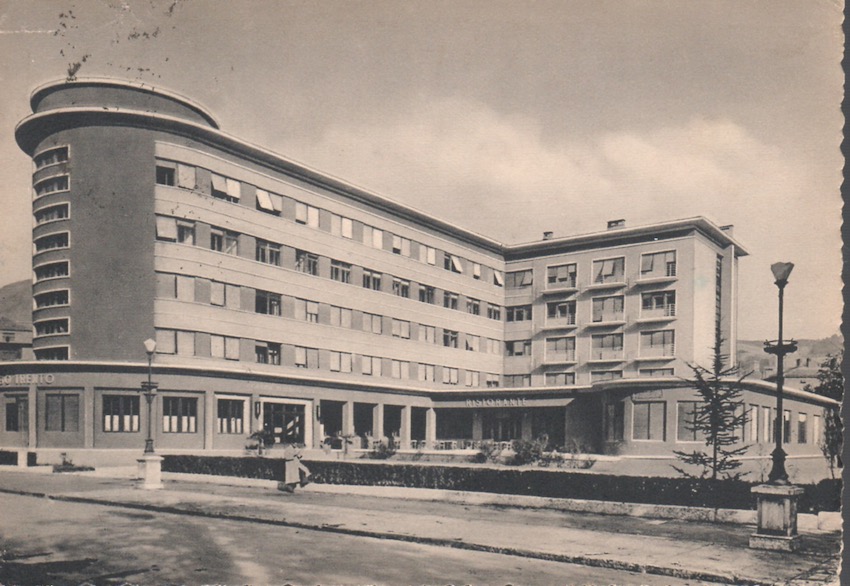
(56, 542)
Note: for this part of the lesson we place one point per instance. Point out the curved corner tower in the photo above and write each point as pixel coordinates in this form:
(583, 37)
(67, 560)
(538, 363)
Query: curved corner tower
(92, 144)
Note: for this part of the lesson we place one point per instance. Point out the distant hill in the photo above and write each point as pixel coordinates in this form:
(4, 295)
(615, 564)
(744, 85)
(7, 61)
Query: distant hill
(803, 364)
(16, 302)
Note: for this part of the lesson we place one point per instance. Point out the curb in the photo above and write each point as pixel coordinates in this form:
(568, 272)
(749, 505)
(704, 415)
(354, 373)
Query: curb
(439, 542)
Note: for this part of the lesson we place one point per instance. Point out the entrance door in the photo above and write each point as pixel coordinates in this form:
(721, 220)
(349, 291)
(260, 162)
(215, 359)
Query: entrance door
(17, 419)
(286, 421)
(502, 425)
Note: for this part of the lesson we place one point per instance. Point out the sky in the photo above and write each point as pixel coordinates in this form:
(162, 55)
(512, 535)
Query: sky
(507, 118)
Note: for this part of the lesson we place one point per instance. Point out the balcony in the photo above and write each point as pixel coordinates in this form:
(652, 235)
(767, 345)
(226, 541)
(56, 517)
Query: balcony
(663, 313)
(608, 318)
(663, 352)
(561, 286)
(560, 358)
(665, 273)
(606, 355)
(562, 322)
(608, 282)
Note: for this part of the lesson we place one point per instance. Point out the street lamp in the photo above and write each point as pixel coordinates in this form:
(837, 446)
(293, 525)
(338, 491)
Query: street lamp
(149, 389)
(778, 475)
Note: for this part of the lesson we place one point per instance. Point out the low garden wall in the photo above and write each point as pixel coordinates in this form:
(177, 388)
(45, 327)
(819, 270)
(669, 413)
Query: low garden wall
(727, 494)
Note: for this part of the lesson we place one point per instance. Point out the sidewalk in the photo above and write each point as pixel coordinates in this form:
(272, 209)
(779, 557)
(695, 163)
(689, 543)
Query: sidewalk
(709, 552)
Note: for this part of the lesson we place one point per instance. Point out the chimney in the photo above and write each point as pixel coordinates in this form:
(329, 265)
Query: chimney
(548, 235)
(728, 228)
(616, 224)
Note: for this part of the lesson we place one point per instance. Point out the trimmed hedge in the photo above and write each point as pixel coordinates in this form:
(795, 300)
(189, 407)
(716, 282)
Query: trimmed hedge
(727, 494)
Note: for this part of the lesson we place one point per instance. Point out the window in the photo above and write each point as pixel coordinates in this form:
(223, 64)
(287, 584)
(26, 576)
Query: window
(401, 329)
(603, 375)
(217, 291)
(450, 376)
(561, 276)
(51, 327)
(427, 254)
(230, 416)
(517, 380)
(560, 349)
(186, 343)
(346, 228)
(473, 343)
(226, 188)
(51, 271)
(372, 366)
(561, 311)
(658, 343)
(556, 379)
(518, 313)
(271, 203)
(51, 214)
(610, 270)
(649, 421)
(340, 361)
(306, 214)
(450, 338)
(656, 372)
(187, 177)
(267, 303)
(607, 347)
(373, 237)
(166, 341)
(166, 229)
(307, 310)
(51, 299)
(401, 245)
(51, 185)
(686, 413)
(186, 233)
(607, 309)
(519, 279)
(267, 252)
(306, 262)
(426, 372)
(658, 304)
(165, 175)
(224, 347)
(267, 353)
(498, 279)
(340, 317)
(426, 294)
(476, 273)
(452, 263)
(400, 369)
(226, 241)
(372, 323)
(816, 429)
(51, 242)
(306, 357)
(427, 334)
(658, 264)
(15, 413)
(615, 421)
(51, 157)
(802, 429)
(450, 300)
(473, 306)
(492, 380)
(62, 412)
(494, 312)
(340, 271)
(56, 353)
(766, 425)
(179, 414)
(371, 280)
(120, 413)
(472, 378)
(494, 347)
(518, 348)
(401, 287)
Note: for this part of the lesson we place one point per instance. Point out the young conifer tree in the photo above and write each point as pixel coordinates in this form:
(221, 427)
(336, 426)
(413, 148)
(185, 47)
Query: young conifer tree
(718, 418)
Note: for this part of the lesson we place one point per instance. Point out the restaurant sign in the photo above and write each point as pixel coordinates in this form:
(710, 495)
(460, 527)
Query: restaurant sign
(507, 402)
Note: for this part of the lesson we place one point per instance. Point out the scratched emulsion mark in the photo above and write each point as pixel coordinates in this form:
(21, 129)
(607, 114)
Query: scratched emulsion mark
(126, 22)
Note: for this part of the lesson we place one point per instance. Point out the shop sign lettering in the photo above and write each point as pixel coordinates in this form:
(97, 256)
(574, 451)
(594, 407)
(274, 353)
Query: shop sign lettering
(512, 402)
(9, 380)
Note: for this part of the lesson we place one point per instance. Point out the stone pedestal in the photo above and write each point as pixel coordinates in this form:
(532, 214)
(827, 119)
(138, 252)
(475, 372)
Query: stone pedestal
(777, 517)
(150, 472)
